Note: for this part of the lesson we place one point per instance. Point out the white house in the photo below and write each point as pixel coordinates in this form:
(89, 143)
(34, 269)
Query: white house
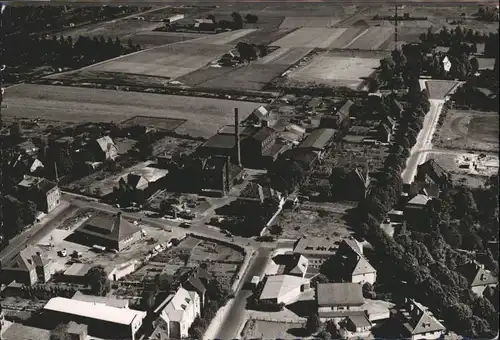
(178, 312)
(339, 299)
(283, 288)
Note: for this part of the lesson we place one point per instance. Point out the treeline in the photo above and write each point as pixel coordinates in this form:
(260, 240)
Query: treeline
(427, 264)
(28, 51)
(30, 19)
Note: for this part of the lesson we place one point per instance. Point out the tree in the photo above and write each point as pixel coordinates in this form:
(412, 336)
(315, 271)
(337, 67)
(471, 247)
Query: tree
(148, 300)
(237, 20)
(217, 292)
(251, 18)
(98, 281)
(368, 291)
(324, 335)
(313, 323)
(60, 332)
(373, 84)
(15, 131)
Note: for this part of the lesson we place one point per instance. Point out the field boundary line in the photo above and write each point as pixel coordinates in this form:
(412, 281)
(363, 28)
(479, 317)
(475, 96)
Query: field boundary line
(356, 38)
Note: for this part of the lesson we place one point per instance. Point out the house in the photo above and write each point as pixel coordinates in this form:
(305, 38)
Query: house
(396, 109)
(316, 249)
(356, 184)
(44, 193)
(431, 172)
(416, 322)
(292, 133)
(416, 211)
(353, 265)
(27, 148)
(260, 149)
(254, 194)
(384, 133)
(339, 118)
(116, 271)
(76, 273)
(109, 231)
(478, 277)
(338, 300)
(204, 24)
(176, 313)
(77, 331)
(103, 321)
(318, 140)
(140, 184)
(314, 103)
(193, 279)
(307, 158)
(356, 326)
(283, 288)
(258, 115)
(29, 267)
(291, 264)
(219, 145)
(103, 149)
(219, 175)
(428, 189)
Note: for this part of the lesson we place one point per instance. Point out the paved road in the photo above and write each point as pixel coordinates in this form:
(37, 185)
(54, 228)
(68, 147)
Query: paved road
(37, 232)
(424, 140)
(235, 315)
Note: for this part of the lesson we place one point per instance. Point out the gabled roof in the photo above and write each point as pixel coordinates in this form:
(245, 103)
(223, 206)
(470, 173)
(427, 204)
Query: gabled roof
(28, 259)
(397, 105)
(345, 109)
(110, 227)
(318, 139)
(292, 263)
(37, 183)
(263, 133)
(106, 143)
(355, 263)
(422, 320)
(419, 199)
(315, 246)
(363, 176)
(278, 285)
(477, 275)
(260, 112)
(175, 305)
(339, 294)
(257, 192)
(434, 171)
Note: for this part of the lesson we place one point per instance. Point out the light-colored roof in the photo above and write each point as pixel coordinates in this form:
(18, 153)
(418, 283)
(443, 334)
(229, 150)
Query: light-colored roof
(106, 143)
(425, 322)
(277, 285)
(122, 316)
(315, 246)
(176, 305)
(140, 178)
(17, 331)
(419, 199)
(78, 269)
(360, 320)
(339, 294)
(318, 139)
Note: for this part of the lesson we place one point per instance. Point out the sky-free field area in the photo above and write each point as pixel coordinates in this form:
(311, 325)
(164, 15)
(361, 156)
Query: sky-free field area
(61, 103)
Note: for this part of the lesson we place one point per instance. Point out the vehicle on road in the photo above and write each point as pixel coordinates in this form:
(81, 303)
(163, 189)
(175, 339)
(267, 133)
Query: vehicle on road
(98, 248)
(185, 225)
(62, 253)
(76, 254)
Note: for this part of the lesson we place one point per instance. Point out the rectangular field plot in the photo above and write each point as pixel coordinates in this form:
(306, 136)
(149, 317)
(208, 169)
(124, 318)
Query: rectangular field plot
(284, 56)
(371, 39)
(347, 37)
(115, 28)
(166, 124)
(227, 37)
(170, 61)
(310, 37)
(146, 39)
(406, 35)
(297, 22)
(484, 128)
(85, 104)
(263, 36)
(333, 70)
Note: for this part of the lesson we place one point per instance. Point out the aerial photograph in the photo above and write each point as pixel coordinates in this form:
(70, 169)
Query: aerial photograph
(249, 170)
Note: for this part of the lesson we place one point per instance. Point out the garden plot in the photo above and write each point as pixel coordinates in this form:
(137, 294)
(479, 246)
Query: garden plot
(371, 39)
(86, 104)
(170, 61)
(468, 130)
(298, 22)
(284, 56)
(313, 37)
(333, 70)
(439, 89)
(148, 39)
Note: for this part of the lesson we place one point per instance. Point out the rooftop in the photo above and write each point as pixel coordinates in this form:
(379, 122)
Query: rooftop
(315, 246)
(122, 316)
(278, 285)
(139, 178)
(220, 141)
(263, 133)
(419, 199)
(339, 294)
(245, 131)
(345, 109)
(110, 227)
(78, 269)
(318, 139)
(101, 300)
(360, 321)
(39, 183)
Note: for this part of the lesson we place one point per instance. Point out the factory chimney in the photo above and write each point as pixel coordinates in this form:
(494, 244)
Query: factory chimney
(237, 136)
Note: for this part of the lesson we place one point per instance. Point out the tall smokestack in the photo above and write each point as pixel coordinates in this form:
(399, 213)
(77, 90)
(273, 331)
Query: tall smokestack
(237, 136)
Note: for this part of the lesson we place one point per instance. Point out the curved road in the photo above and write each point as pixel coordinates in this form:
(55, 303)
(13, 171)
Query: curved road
(234, 316)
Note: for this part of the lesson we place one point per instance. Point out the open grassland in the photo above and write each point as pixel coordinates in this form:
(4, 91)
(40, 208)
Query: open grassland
(334, 70)
(91, 105)
(115, 28)
(310, 37)
(468, 130)
(149, 39)
(298, 22)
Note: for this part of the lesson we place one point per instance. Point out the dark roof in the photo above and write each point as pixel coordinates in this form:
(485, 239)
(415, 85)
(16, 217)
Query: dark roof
(339, 294)
(359, 321)
(345, 109)
(433, 170)
(292, 263)
(37, 183)
(243, 130)
(318, 139)
(275, 149)
(113, 228)
(385, 128)
(263, 133)
(28, 259)
(306, 157)
(418, 319)
(397, 104)
(220, 141)
(214, 163)
(477, 275)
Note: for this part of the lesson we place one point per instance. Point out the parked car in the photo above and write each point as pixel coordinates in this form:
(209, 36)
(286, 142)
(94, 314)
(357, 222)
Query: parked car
(185, 225)
(62, 253)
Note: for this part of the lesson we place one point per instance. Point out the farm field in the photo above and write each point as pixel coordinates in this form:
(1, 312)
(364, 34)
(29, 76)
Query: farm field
(371, 39)
(438, 89)
(115, 28)
(85, 104)
(406, 35)
(331, 69)
(314, 37)
(155, 38)
(468, 130)
(284, 56)
(471, 177)
(298, 22)
(263, 36)
(347, 37)
(257, 329)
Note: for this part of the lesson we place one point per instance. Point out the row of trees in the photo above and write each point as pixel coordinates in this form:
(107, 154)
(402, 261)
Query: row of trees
(421, 262)
(250, 52)
(33, 51)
